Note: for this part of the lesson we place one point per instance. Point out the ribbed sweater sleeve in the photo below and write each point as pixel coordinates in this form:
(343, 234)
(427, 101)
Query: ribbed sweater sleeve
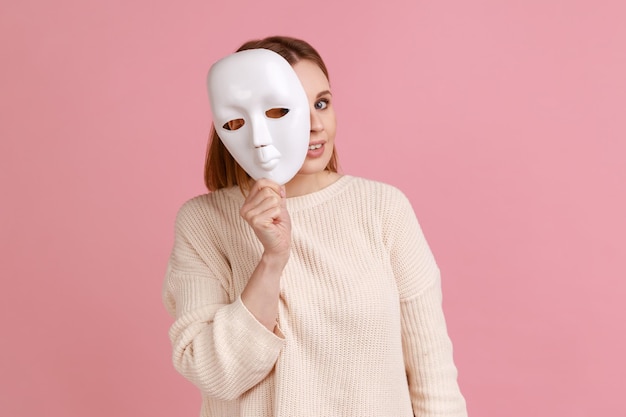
(217, 343)
(427, 348)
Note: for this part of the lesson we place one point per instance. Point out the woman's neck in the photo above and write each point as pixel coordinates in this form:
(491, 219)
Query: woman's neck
(303, 184)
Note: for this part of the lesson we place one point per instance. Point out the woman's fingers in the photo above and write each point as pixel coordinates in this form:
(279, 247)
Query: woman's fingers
(265, 210)
(264, 185)
(262, 198)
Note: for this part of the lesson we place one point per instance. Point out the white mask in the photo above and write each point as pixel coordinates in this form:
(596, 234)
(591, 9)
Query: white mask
(261, 113)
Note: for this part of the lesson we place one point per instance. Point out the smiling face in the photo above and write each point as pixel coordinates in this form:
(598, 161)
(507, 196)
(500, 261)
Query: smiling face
(323, 123)
(261, 113)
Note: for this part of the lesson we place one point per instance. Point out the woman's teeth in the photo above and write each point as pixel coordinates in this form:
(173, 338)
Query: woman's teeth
(314, 147)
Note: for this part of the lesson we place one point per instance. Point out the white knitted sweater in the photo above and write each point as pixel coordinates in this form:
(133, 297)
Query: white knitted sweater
(361, 327)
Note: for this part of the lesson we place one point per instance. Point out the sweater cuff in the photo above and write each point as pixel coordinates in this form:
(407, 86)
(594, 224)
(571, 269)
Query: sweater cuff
(256, 330)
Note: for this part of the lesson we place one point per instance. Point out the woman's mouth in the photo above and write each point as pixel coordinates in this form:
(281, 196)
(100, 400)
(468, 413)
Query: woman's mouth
(315, 150)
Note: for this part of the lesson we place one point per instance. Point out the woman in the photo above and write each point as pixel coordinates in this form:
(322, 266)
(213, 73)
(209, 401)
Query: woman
(317, 298)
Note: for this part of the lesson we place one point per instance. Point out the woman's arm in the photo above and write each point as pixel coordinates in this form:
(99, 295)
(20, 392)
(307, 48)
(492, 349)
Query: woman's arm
(431, 373)
(266, 212)
(224, 348)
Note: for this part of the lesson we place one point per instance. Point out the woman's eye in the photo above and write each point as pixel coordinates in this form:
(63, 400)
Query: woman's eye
(321, 104)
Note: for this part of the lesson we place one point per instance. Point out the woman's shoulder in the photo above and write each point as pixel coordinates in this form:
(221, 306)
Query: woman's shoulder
(194, 204)
(378, 190)
(387, 200)
(205, 208)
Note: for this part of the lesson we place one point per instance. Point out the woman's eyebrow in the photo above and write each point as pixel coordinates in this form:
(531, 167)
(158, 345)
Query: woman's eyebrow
(323, 93)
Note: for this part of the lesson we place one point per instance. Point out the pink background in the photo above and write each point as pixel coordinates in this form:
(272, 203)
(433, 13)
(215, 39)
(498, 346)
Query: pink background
(503, 121)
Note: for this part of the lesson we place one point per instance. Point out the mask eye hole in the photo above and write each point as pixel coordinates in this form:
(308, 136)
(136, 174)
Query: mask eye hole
(234, 124)
(276, 113)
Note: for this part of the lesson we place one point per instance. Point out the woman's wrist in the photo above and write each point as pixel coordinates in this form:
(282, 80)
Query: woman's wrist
(274, 261)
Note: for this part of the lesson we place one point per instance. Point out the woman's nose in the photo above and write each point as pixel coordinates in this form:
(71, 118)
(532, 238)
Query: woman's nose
(316, 122)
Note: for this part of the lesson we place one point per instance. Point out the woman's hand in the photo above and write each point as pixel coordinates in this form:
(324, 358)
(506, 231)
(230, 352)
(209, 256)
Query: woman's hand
(265, 210)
